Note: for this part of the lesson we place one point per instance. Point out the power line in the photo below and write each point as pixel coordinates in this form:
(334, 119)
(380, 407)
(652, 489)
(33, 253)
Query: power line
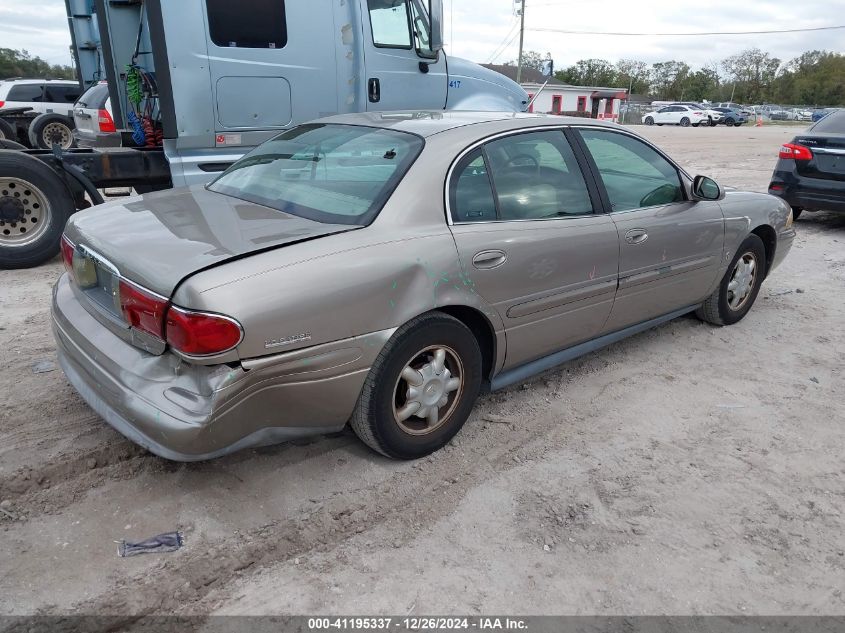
(504, 43)
(570, 32)
(504, 48)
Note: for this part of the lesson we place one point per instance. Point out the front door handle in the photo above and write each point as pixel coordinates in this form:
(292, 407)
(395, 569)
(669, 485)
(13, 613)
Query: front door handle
(374, 90)
(636, 236)
(489, 259)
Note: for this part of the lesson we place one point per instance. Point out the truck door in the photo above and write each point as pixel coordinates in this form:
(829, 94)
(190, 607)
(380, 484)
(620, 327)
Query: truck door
(272, 65)
(397, 41)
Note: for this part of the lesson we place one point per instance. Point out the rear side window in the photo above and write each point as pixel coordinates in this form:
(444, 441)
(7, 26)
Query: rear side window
(26, 92)
(338, 174)
(634, 174)
(833, 122)
(247, 23)
(471, 194)
(61, 94)
(95, 97)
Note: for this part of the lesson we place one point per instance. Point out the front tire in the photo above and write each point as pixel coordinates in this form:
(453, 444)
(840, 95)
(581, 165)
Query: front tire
(729, 122)
(685, 122)
(736, 293)
(421, 388)
(649, 121)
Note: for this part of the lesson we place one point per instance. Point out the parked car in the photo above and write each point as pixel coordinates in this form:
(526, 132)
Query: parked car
(731, 117)
(746, 110)
(682, 115)
(713, 115)
(92, 115)
(364, 268)
(821, 113)
(52, 99)
(810, 172)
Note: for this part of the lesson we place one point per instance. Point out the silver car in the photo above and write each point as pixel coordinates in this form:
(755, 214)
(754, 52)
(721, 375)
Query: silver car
(382, 269)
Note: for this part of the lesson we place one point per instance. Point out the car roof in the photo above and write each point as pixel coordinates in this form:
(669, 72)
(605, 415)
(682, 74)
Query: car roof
(39, 81)
(430, 122)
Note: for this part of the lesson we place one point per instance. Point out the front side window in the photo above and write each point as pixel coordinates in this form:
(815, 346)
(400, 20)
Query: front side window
(247, 24)
(32, 93)
(389, 22)
(536, 176)
(634, 174)
(336, 174)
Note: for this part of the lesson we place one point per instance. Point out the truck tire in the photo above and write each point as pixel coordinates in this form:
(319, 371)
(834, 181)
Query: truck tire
(34, 207)
(7, 132)
(49, 128)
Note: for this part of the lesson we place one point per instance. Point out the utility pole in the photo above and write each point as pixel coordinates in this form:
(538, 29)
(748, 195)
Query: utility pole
(521, 34)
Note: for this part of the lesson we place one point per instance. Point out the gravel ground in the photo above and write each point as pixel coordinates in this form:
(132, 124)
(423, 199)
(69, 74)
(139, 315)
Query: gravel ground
(687, 470)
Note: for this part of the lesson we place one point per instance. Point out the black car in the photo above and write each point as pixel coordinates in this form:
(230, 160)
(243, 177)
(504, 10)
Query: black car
(810, 173)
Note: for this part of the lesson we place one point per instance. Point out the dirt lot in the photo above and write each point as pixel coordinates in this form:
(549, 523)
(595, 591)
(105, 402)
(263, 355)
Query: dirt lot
(689, 469)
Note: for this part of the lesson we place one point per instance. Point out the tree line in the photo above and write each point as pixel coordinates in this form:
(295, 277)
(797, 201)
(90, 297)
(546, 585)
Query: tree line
(15, 63)
(815, 78)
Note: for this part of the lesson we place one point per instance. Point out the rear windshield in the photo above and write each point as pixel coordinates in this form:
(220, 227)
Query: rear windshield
(336, 174)
(833, 122)
(95, 97)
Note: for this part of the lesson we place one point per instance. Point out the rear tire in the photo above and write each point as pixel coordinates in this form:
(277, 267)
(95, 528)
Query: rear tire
(7, 144)
(685, 122)
(796, 212)
(46, 129)
(407, 374)
(7, 132)
(31, 222)
(736, 293)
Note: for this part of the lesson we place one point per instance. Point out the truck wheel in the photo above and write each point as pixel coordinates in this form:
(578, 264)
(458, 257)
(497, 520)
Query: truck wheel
(420, 389)
(50, 128)
(34, 206)
(7, 132)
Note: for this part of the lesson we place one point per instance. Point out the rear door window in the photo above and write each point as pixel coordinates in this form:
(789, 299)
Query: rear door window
(27, 93)
(251, 24)
(833, 122)
(60, 94)
(95, 97)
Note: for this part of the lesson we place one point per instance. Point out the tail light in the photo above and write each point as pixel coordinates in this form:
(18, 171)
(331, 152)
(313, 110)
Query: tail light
(67, 252)
(698, 113)
(142, 309)
(2, 103)
(105, 121)
(791, 151)
(201, 333)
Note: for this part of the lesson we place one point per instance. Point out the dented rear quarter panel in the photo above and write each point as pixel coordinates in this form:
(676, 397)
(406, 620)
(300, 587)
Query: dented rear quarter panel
(340, 286)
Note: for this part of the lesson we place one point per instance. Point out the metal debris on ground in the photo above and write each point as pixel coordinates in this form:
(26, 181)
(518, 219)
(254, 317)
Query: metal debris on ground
(43, 366)
(168, 542)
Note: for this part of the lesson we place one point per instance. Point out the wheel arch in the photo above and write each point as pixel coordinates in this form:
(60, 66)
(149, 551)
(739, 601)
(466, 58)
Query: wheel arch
(770, 240)
(483, 331)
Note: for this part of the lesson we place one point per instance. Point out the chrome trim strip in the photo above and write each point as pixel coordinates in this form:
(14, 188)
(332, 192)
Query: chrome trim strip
(827, 150)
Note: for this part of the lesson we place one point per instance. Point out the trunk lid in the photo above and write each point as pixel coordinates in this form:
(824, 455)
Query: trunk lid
(159, 239)
(828, 161)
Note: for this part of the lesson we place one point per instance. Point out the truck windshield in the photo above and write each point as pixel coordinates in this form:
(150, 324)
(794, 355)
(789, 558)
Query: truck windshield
(336, 174)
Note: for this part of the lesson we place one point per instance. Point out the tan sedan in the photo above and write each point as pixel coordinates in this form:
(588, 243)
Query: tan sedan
(382, 269)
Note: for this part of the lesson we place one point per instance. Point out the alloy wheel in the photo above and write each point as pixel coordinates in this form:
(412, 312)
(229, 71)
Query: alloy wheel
(428, 390)
(742, 281)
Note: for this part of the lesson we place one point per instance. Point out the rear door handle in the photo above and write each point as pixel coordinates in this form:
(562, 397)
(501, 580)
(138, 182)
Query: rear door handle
(374, 90)
(636, 236)
(489, 259)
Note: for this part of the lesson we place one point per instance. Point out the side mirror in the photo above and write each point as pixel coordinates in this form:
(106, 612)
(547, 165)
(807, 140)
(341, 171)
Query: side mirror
(704, 188)
(435, 12)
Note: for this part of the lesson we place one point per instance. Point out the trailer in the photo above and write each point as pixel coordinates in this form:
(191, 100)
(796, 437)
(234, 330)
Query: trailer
(195, 84)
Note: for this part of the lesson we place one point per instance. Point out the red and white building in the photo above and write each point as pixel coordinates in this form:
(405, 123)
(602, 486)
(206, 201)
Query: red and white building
(558, 98)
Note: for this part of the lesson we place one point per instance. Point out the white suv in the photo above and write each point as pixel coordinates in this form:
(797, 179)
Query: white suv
(51, 99)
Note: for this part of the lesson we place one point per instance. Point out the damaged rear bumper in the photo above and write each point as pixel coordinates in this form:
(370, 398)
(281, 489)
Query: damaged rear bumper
(186, 412)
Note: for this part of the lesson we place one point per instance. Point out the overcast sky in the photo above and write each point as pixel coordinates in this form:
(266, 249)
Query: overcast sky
(476, 28)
